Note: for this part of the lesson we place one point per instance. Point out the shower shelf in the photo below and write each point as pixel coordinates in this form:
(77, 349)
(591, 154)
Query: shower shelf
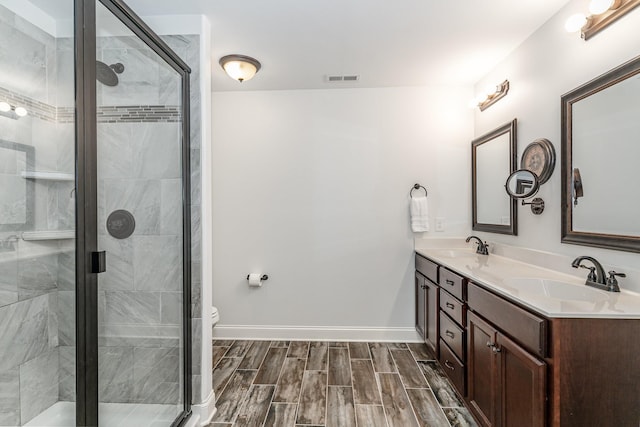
(49, 176)
(49, 235)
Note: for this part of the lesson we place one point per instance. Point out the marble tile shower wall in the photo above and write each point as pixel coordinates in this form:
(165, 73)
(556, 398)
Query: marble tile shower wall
(30, 271)
(140, 354)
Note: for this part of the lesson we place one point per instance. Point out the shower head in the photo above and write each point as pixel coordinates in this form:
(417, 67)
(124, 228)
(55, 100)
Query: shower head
(108, 74)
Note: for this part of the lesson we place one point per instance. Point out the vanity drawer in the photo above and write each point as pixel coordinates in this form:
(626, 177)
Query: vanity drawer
(453, 307)
(452, 334)
(524, 327)
(453, 367)
(429, 269)
(452, 283)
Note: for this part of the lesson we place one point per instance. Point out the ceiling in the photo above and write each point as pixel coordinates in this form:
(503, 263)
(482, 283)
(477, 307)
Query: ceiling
(385, 42)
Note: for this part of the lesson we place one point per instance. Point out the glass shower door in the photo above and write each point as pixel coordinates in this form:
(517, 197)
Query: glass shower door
(141, 181)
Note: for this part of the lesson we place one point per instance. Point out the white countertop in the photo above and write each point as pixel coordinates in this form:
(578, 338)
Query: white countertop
(496, 272)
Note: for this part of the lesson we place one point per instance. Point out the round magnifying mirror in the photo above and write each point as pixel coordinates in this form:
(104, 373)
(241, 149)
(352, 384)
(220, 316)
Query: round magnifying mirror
(522, 184)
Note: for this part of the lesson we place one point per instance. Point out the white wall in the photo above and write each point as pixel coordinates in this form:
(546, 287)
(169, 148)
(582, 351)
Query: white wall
(550, 63)
(311, 187)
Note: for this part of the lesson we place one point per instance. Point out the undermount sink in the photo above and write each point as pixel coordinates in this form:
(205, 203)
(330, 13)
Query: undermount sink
(555, 289)
(454, 253)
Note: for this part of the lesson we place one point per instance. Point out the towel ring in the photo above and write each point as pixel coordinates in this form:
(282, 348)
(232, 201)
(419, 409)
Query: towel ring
(417, 187)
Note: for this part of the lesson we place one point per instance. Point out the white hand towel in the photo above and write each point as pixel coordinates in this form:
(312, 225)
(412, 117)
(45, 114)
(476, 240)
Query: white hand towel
(419, 214)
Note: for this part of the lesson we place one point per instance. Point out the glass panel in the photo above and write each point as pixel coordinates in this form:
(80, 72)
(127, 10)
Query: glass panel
(37, 213)
(140, 227)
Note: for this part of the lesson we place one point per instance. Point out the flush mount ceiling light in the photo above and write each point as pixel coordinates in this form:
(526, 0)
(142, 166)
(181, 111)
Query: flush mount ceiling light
(240, 67)
(603, 13)
(490, 96)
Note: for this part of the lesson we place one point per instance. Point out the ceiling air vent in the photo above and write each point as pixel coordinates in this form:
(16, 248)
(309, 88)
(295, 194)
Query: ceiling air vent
(346, 78)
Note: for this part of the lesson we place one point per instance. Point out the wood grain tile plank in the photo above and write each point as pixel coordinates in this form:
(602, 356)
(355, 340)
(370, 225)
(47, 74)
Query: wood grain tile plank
(222, 343)
(299, 349)
(459, 417)
(256, 406)
(381, 357)
(340, 410)
(371, 416)
(280, 344)
(317, 360)
(397, 346)
(359, 350)
(223, 371)
(217, 354)
(255, 355)
(395, 401)
(339, 367)
(365, 388)
(313, 398)
(290, 382)
(408, 369)
(271, 366)
(233, 397)
(239, 348)
(421, 351)
(426, 407)
(439, 383)
(337, 344)
(281, 415)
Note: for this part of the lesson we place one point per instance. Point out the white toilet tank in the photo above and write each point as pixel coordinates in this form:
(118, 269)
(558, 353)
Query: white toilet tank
(215, 316)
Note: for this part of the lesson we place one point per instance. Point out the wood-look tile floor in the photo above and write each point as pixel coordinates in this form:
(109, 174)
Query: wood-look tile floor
(317, 383)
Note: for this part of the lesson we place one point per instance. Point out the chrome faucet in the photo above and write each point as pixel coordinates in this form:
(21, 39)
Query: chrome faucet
(483, 248)
(597, 277)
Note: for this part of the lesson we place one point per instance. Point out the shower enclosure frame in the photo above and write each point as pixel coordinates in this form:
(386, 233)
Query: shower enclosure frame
(88, 263)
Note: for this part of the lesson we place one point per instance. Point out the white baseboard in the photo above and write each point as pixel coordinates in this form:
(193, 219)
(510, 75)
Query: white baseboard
(324, 333)
(202, 413)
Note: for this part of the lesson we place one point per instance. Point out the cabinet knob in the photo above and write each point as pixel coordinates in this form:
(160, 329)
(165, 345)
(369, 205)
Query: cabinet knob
(489, 344)
(449, 365)
(449, 334)
(423, 286)
(449, 305)
(496, 349)
(449, 282)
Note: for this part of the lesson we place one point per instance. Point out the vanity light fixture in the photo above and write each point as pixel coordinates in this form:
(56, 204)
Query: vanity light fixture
(490, 96)
(11, 111)
(602, 14)
(240, 67)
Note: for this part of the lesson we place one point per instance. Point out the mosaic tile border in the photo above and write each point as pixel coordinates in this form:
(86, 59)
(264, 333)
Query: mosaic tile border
(105, 114)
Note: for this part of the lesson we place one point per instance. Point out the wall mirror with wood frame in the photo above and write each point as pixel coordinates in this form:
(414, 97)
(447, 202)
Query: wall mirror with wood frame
(600, 155)
(493, 159)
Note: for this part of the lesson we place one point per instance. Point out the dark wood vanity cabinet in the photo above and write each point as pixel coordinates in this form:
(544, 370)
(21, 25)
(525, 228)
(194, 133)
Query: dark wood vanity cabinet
(426, 297)
(517, 368)
(452, 327)
(507, 378)
(506, 384)
(421, 305)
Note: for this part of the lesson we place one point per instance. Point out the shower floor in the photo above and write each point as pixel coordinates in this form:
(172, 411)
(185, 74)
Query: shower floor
(63, 414)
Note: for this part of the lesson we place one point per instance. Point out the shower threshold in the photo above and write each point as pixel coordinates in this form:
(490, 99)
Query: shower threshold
(63, 414)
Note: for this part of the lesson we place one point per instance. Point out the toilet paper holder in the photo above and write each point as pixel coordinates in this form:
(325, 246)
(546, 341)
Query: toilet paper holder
(264, 277)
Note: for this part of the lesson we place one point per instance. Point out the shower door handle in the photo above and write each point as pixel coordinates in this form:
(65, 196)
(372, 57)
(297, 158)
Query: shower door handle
(98, 262)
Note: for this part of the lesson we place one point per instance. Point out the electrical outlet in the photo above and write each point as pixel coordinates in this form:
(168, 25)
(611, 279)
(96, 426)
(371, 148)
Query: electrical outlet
(439, 223)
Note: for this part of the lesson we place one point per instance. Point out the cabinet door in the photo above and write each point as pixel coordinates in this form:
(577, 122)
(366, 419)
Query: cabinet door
(431, 315)
(482, 370)
(421, 305)
(522, 386)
